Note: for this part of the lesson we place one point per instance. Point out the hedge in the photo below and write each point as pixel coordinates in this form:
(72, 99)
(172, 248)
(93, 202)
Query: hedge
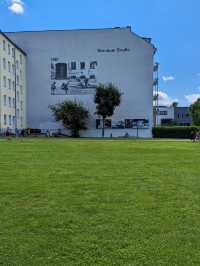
(178, 132)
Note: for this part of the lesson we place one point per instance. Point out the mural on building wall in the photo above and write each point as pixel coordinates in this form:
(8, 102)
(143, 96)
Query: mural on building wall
(73, 77)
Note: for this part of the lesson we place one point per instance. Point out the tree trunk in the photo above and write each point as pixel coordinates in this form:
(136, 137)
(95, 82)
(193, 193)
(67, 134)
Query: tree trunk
(103, 128)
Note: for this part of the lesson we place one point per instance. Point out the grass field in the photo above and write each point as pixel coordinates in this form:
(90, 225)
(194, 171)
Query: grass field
(95, 202)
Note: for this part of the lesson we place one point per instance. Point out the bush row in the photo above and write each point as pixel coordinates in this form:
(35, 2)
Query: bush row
(183, 132)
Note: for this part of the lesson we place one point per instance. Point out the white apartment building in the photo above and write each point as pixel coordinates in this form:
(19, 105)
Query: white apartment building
(69, 64)
(12, 86)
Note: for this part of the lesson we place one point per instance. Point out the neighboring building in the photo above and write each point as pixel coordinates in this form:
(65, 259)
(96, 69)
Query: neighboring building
(182, 116)
(167, 115)
(164, 115)
(69, 64)
(12, 85)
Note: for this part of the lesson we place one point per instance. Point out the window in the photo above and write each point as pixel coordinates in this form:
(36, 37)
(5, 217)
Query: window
(9, 84)
(21, 122)
(61, 71)
(163, 113)
(17, 113)
(21, 89)
(17, 64)
(13, 52)
(9, 66)
(73, 65)
(4, 45)
(13, 120)
(13, 102)
(5, 119)
(4, 63)
(92, 76)
(9, 49)
(9, 101)
(82, 65)
(4, 100)
(20, 59)
(17, 96)
(21, 105)
(13, 69)
(20, 74)
(10, 120)
(13, 86)
(17, 79)
(4, 81)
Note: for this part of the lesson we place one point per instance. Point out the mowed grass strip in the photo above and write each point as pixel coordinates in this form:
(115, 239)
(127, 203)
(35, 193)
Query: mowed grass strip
(95, 202)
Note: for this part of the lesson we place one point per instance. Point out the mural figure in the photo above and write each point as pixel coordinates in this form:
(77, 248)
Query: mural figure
(72, 77)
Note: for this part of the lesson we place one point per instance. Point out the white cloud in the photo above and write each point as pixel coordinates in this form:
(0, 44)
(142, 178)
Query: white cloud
(191, 98)
(168, 78)
(16, 6)
(165, 99)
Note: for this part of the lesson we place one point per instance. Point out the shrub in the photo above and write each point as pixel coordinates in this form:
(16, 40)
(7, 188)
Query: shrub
(178, 132)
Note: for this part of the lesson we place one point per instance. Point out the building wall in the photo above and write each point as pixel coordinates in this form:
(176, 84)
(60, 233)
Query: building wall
(164, 113)
(12, 58)
(118, 56)
(182, 116)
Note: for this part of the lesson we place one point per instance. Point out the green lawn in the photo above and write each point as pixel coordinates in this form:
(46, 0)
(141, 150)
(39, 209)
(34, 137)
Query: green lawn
(95, 202)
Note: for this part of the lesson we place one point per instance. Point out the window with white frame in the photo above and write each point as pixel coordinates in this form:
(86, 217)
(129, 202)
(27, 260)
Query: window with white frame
(20, 58)
(9, 49)
(4, 63)
(13, 52)
(4, 100)
(9, 84)
(9, 101)
(21, 105)
(21, 89)
(9, 66)
(13, 120)
(4, 45)
(10, 120)
(13, 69)
(17, 96)
(17, 79)
(5, 119)
(17, 113)
(17, 64)
(13, 102)
(4, 81)
(13, 85)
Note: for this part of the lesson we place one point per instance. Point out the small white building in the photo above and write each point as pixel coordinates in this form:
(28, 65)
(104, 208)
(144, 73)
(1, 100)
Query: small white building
(164, 115)
(69, 64)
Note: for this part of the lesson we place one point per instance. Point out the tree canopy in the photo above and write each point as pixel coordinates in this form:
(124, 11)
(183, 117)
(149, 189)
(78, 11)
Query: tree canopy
(72, 114)
(195, 112)
(107, 98)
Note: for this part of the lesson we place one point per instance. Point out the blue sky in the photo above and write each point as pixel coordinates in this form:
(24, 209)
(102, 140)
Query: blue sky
(172, 24)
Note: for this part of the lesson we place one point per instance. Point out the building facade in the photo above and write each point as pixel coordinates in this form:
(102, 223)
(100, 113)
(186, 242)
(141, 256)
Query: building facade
(164, 115)
(182, 116)
(12, 86)
(175, 115)
(69, 64)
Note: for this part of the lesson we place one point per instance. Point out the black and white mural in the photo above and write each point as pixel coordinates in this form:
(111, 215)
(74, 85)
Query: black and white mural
(73, 77)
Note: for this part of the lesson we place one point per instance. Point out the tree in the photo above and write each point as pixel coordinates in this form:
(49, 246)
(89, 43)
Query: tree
(175, 104)
(72, 114)
(107, 98)
(195, 112)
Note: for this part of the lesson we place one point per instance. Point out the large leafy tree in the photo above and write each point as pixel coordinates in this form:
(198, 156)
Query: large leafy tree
(72, 114)
(195, 112)
(107, 98)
